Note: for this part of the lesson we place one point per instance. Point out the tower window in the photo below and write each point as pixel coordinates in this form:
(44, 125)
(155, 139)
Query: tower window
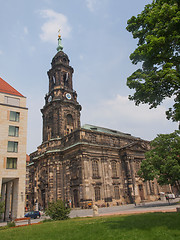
(65, 79)
(69, 120)
(64, 60)
(53, 80)
(69, 124)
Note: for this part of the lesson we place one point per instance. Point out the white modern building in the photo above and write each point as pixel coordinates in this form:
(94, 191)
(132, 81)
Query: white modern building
(13, 137)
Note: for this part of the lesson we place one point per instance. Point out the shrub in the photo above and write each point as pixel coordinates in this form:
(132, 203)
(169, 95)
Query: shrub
(11, 224)
(2, 206)
(57, 210)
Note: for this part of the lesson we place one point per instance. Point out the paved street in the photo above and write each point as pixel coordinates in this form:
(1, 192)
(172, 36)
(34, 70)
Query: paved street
(158, 206)
(130, 208)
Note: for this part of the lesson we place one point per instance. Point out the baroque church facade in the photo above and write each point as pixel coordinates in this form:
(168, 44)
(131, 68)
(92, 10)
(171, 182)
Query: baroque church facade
(83, 165)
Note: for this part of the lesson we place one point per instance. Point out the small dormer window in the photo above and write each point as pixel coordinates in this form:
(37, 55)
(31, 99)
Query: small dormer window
(64, 60)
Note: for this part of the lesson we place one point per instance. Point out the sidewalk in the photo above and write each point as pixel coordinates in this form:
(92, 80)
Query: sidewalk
(157, 206)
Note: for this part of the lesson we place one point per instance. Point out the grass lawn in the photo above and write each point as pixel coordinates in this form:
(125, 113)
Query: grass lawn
(151, 226)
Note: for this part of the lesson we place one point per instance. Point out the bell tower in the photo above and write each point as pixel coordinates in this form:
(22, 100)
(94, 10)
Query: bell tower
(61, 112)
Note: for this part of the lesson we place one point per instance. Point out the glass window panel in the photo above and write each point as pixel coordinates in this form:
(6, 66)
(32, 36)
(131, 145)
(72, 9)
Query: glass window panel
(97, 193)
(11, 163)
(14, 116)
(116, 192)
(95, 170)
(12, 146)
(13, 131)
(16, 131)
(114, 169)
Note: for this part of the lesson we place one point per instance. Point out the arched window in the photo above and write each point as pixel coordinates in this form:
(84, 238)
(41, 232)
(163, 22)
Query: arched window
(65, 79)
(114, 169)
(116, 192)
(95, 170)
(97, 193)
(69, 124)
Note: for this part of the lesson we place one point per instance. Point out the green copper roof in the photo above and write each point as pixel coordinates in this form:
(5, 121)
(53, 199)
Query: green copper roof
(106, 130)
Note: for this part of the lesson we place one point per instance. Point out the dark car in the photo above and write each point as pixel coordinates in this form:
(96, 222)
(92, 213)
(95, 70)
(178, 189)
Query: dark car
(33, 214)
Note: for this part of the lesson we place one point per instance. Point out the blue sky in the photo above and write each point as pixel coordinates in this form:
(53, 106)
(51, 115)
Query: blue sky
(95, 38)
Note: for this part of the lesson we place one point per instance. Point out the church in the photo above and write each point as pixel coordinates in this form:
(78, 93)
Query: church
(83, 165)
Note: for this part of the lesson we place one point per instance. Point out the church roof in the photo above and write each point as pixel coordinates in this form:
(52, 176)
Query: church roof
(7, 88)
(106, 130)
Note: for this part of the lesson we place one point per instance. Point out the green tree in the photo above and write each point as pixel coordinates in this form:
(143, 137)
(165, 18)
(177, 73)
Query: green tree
(2, 206)
(163, 160)
(157, 29)
(57, 210)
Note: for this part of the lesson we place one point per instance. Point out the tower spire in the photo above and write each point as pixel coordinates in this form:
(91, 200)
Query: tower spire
(60, 47)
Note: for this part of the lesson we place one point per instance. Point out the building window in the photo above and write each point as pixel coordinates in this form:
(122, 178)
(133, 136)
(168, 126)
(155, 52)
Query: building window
(11, 163)
(12, 146)
(13, 131)
(95, 170)
(12, 101)
(14, 116)
(116, 192)
(114, 169)
(97, 193)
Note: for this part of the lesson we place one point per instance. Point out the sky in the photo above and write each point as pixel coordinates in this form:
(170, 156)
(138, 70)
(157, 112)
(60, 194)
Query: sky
(95, 38)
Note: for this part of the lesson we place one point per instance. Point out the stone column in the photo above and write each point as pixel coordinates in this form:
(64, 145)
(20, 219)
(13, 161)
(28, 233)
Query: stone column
(14, 198)
(18, 203)
(8, 198)
(0, 185)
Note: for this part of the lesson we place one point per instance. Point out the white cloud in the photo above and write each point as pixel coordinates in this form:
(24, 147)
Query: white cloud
(91, 4)
(122, 114)
(54, 22)
(81, 57)
(26, 30)
(94, 5)
(1, 52)
(31, 50)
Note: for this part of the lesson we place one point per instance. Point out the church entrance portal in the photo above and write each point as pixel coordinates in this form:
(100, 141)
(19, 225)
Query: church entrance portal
(76, 197)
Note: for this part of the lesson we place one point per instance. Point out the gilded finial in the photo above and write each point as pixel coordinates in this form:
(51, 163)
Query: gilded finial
(59, 35)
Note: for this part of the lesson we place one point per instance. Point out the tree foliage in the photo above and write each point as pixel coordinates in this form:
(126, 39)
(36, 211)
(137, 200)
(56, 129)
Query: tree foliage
(163, 160)
(157, 29)
(57, 210)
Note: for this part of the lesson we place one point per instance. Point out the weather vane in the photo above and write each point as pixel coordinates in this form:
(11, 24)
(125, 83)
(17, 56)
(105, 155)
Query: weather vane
(59, 35)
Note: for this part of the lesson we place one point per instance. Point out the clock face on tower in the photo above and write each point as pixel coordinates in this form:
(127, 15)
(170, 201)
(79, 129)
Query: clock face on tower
(68, 96)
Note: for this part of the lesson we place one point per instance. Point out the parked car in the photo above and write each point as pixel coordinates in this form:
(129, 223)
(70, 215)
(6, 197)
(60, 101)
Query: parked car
(33, 214)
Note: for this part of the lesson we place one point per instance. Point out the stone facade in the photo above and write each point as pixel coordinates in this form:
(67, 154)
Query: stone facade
(13, 137)
(83, 165)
